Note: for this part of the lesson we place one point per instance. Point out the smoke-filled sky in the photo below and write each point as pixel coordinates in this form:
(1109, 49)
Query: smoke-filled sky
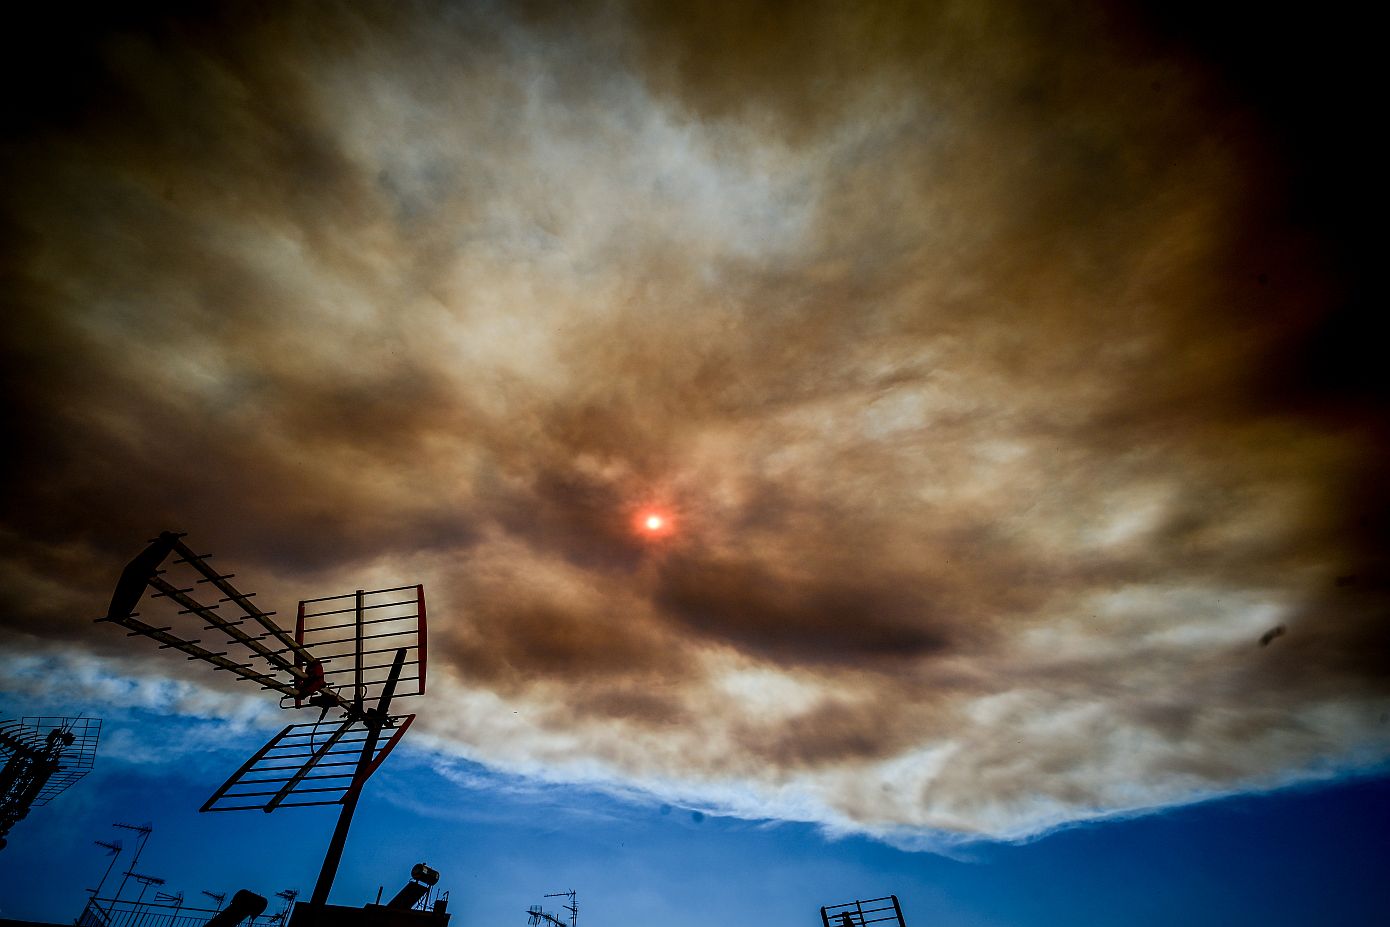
(1003, 373)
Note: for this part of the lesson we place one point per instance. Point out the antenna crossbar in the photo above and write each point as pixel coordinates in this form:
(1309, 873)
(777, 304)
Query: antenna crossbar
(195, 652)
(219, 581)
(289, 677)
(300, 767)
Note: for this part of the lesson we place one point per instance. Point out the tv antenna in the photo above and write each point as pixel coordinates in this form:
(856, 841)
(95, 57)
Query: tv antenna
(536, 917)
(176, 898)
(144, 830)
(572, 907)
(113, 849)
(217, 897)
(288, 896)
(351, 654)
(145, 882)
(885, 910)
(43, 757)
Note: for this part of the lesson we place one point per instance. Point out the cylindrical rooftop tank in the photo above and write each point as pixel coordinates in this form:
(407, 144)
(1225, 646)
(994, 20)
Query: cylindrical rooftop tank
(244, 905)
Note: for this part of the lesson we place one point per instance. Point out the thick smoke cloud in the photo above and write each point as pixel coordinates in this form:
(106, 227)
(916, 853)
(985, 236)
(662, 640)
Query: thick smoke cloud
(982, 356)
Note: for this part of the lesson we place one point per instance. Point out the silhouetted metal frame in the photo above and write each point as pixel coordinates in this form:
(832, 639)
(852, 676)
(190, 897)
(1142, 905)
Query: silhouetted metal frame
(864, 912)
(145, 571)
(302, 784)
(74, 760)
(361, 619)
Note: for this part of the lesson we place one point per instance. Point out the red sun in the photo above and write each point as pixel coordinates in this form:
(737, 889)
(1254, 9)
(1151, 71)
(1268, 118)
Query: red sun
(653, 524)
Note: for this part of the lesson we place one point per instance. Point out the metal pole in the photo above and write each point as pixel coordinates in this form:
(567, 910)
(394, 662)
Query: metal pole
(361, 693)
(375, 721)
(144, 832)
(96, 892)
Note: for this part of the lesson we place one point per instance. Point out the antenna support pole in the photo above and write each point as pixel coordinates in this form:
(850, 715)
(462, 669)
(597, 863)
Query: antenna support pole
(375, 720)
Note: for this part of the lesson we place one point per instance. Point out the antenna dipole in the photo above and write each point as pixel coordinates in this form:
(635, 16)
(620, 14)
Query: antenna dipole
(289, 895)
(144, 830)
(145, 882)
(535, 916)
(218, 897)
(113, 850)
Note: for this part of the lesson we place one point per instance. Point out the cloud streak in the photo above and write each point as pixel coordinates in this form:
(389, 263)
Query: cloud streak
(967, 350)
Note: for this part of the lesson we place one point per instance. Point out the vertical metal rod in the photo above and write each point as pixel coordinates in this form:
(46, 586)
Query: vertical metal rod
(422, 652)
(144, 887)
(334, 856)
(374, 722)
(361, 693)
(897, 908)
(144, 833)
(96, 892)
(298, 655)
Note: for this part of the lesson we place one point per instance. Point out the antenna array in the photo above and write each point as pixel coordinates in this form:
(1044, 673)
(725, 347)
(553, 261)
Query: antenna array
(352, 653)
(43, 756)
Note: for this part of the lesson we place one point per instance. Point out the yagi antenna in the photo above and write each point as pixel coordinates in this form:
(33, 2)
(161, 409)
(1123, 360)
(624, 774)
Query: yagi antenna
(288, 896)
(288, 676)
(113, 849)
(353, 653)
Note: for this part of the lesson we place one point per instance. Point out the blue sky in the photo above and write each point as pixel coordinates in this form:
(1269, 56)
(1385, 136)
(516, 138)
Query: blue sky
(1300, 856)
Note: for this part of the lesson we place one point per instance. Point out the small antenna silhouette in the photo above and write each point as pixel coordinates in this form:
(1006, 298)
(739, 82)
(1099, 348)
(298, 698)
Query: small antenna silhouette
(217, 897)
(166, 897)
(145, 882)
(572, 907)
(863, 913)
(144, 830)
(113, 849)
(536, 917)
(288, 895)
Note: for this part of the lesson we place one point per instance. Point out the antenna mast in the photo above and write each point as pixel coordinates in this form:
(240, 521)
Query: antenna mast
(113, 850)
(572, 907)
(144, 830)
(346, 652)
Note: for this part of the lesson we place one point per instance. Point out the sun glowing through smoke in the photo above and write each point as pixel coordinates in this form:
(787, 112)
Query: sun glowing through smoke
(653, 524)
